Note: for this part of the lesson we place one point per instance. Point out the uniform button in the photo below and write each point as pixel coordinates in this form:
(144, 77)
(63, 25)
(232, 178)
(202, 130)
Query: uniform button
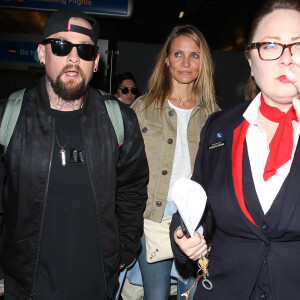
(265, 261)
(158, 203)
(171, 113)
(164, 172)
(265, 226)
(144, 129)
(170, 141)
(264, 296)
(266, 244)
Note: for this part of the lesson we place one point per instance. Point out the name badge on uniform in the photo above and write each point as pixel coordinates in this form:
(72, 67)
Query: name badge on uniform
(216, 145)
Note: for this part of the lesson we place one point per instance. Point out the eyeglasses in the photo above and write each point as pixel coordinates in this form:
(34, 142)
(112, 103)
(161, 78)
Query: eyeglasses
(272, 50)
(61, 47)
(126, 89)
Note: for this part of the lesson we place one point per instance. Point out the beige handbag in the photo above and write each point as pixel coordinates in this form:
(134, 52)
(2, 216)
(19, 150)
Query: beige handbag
(136, 292)
(158, 245)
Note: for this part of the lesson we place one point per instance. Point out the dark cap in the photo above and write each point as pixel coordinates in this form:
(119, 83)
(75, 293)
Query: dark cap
(59, 21)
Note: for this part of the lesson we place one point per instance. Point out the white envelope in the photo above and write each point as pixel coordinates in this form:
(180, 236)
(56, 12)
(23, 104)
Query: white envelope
(190, 199)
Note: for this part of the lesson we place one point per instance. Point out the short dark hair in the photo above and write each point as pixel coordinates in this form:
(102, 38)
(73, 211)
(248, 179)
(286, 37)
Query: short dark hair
(119, 78)
(268, 7)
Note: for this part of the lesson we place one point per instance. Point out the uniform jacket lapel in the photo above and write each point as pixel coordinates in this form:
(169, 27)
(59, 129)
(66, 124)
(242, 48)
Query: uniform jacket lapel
(234, 199)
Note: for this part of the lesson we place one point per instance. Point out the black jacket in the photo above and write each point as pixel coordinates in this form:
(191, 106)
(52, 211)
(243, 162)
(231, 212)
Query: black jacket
(118, 176)
(245, 262)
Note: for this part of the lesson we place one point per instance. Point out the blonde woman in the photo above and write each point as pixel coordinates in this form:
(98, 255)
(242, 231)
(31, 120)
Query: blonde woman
(180, 98)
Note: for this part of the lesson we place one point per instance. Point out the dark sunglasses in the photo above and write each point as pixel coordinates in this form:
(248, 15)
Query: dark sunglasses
(61, 47)
(125, 90)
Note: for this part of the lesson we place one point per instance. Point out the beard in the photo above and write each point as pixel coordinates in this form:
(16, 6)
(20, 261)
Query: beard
(69, 90)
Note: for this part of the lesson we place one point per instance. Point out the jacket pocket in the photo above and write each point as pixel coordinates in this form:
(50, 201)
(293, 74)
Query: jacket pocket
(153, 138)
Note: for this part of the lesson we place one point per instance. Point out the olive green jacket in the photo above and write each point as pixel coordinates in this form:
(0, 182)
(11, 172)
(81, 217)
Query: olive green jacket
(159, 130)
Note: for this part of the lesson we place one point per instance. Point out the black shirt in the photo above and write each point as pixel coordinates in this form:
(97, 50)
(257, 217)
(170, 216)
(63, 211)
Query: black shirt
(70, 262)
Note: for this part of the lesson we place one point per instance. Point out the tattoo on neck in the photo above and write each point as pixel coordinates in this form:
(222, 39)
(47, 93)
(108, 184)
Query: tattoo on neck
(58, 103)
(61, 104)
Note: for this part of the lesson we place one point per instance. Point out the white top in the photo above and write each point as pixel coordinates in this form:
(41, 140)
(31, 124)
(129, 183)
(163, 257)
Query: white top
(258, 153)
(181, 163)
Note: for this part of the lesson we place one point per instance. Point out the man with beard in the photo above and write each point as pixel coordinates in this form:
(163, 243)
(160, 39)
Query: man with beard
(73, 198)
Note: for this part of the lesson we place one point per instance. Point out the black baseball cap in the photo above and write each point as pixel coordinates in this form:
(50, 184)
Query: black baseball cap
(59, 21)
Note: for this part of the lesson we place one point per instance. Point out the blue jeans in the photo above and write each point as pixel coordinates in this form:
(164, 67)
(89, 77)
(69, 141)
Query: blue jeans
(181, 288)
(157, 278)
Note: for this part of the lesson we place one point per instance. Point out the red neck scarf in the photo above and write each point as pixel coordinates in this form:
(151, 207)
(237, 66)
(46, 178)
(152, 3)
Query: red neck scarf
(280, 151)
(281, 146)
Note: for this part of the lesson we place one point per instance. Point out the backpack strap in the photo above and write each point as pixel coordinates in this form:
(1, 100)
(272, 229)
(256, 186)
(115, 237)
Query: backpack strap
(10, 117)
(115, 115)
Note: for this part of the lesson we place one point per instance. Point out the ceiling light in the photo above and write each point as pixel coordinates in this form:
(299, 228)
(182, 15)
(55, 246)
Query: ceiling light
(181, 14)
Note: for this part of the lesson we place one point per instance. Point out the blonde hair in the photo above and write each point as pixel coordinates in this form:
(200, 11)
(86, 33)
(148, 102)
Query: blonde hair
(268, 7)
(160, 84)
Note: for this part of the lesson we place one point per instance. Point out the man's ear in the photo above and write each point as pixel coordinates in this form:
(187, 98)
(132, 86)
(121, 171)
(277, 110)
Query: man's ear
(97, 59)
(41, 53)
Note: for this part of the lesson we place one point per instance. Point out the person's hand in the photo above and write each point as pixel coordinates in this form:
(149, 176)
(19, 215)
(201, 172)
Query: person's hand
(293, 76)
(193, 247)
(122, 266)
